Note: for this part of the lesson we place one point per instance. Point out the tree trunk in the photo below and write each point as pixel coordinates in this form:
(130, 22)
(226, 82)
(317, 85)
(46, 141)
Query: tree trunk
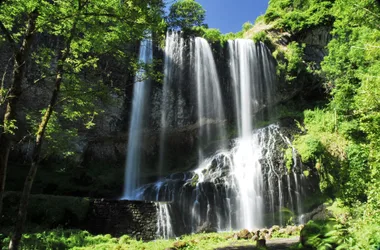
(21, 216)
(19, 67)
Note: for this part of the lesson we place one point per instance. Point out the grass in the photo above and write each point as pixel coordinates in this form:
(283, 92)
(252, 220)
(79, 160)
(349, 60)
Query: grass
(60, 239)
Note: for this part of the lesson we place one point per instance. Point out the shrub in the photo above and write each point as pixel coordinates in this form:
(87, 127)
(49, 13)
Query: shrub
(247, 26)
(213, 35)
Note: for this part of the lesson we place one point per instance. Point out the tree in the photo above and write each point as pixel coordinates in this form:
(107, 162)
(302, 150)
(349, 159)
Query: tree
(18, 25)
(84, 30)
(186, 14)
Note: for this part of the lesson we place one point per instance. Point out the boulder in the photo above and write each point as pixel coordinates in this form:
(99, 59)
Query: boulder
(275, 228)
(244, 234)
(179, 244)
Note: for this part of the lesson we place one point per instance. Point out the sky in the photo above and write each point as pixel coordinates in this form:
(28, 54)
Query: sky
(229, 15)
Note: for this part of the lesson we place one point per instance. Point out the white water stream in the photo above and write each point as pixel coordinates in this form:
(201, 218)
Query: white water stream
(140, 91)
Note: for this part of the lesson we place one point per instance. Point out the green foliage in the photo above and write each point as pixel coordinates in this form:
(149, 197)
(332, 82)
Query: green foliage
(289, 61)
(351, 69)
(294, 16)
(9, 127)
(60, 140)
(185, 14)
(317, 124)
(322, 148)
(260, 36)
(352, 65)
(232, 36)
(306, 173)
(247, 26)
(354, 227)
(260, 19)
(355, 174)
(294, 56)
(63, 239)
(289, 158)
(325, 235)
(212, 35)
(82, 240)
(310, 148)
(85, 31)
(3, 94)
(348, 129)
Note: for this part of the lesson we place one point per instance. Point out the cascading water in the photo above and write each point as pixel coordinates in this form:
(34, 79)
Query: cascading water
(209, 98)
(140, 92)
(245, 185)
(172, 106)
(191, 96)
(298, 188)
(252, 75)
(252, 80)
(210, 197)
(164, 224)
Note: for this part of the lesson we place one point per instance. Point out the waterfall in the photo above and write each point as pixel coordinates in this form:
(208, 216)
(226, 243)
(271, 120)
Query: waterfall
(209, 98)
(140, 92)
(235, 184)
(191, 62)
(249, 181)
(172, 106)
(296, 177)
(223, 194)
(252, 80)
(164, 224)
(252, 76)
